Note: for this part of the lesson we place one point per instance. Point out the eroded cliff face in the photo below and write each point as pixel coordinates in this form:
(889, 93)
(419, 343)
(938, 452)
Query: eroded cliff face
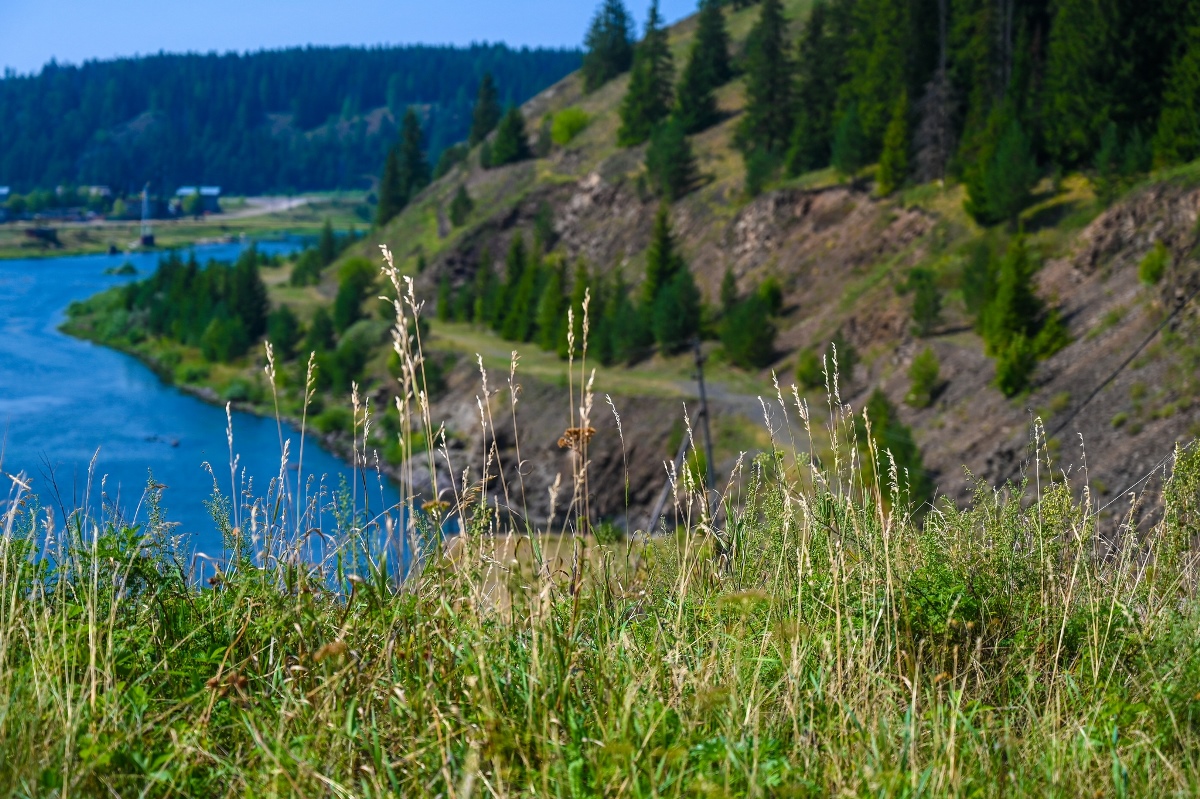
(839, 255)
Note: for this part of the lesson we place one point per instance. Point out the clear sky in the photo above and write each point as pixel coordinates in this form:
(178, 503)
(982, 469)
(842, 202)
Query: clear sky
(34, 31)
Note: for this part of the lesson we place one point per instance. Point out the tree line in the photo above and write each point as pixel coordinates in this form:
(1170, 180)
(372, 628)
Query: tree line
(294, 119)
(992, 93)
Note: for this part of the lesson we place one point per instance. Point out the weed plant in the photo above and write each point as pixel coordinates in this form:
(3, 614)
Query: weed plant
(808, 638)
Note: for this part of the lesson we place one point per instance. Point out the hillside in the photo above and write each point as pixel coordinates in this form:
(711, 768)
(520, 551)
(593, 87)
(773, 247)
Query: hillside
(842, 256)
(300, 119)
(844, 259)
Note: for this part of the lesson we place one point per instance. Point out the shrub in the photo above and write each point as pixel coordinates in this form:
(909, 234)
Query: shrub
(355, 280)
(1014, 365)
(923, 377)
(810, 372)
(749, 334)
(1154, 265)
(461, 206)
(568, 123)
(224, 339)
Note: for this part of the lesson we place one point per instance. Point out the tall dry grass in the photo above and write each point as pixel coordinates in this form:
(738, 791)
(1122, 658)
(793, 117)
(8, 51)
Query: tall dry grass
(809, 636)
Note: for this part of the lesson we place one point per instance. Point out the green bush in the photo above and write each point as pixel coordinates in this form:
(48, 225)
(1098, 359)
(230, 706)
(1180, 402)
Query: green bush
(224, 339)
(1154, 265)
(333, 419)
(1014, 365)
(923, 376)
(568, 123)
(748, 333)
(810, 372)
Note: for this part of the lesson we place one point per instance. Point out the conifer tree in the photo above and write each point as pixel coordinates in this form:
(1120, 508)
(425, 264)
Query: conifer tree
(511, 144)
(821, 69)
(748, 333)
(445, 299)
(648, 98)
(483, 308)
(707, 69)
(767, 120)
(550, 311)
(514, 269)
(1178, 137)
(609, 44)
(729, 290)
(461, 206)
(676, 312)
(893, 162)
(662, 258)
(391, 191)
(283, 331)
(879, 63)
(522, 308)
(414, 166)
(486, 113)
(327, 249)
(1005, 171)
(320, 332)
(670, 162)
(580, 290)
(849, 144)
(1078, 98)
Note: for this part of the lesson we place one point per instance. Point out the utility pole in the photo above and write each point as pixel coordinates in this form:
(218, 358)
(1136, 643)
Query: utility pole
(681, 454)
(708, 447)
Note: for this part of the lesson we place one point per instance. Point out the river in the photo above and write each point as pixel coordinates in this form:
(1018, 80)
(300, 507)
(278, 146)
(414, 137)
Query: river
(64, 401)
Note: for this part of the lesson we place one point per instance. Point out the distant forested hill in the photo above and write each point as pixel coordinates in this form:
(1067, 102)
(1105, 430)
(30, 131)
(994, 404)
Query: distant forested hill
(297, 119)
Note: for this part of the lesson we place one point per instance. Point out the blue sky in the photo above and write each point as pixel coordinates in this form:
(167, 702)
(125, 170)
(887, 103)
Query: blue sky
(34, 31)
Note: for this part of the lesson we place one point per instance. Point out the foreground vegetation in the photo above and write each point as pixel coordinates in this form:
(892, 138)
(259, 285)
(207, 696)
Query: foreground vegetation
(815, 636)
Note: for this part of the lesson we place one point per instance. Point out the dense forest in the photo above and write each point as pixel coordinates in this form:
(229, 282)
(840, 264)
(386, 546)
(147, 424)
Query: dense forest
(296, 119)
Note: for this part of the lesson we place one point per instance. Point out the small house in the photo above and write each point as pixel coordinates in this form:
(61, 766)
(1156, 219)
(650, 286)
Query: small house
(210, 197)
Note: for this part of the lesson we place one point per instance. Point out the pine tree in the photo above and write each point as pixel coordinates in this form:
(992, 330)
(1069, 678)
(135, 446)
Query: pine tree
(893, 162)
(767, 120)
(648, 98)
(729, 291)
(662, 258)
(327, 249)
(676, 312)
(514, 269)
(550, 311)
(670, 162)
(1079, 101)
(934, 139)
(893, 442)
(391, 190)
(1000, 182)
(880, 61)
(1016, 309)
(821, 69)
(849, 144)
(609, 44)
(580, 290)
(486, 113)
(414, 166)
(461, 206)
(320, 332)
(510, 144)
(522, 308)
(1178, 137)
(484, 306)
(748, 333)
(283, 331)
(708, 68)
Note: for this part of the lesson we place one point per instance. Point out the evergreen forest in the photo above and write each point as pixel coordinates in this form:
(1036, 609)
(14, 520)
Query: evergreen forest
(287, 120)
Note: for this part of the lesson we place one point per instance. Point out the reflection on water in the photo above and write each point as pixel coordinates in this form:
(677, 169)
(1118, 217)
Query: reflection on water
(64, 402)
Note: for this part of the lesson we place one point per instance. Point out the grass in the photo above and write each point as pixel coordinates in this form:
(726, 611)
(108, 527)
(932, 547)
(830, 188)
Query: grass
(813, 638)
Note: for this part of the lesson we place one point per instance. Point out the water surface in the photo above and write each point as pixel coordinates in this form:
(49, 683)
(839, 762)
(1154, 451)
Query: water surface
(64, 401)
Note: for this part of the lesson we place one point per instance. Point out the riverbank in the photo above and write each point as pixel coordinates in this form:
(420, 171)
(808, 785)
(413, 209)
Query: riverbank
(256, 218)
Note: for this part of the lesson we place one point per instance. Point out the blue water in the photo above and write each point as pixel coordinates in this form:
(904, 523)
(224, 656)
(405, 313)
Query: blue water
(65, 401)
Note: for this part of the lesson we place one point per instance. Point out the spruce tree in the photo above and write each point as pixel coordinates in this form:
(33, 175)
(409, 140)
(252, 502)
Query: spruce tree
(707, 69)
(414, 166)
(484, 307)
(1005, 171)
(320, 332)
(327, 249)
(767, 120)
(662, 258)
(514, 269)
(391, 190)
(580, 290)
(1078, 95)
(445, 299)
(648, 98)
(511, 143)
(676, 312)
(879, 64)
(283, 331)
(670, 162)
(486, 113)
(461, 206)
(849, 144)
(522, 308)
(893, 162)
(821, 69)
(729, 291)
(1178, 137)
(550, 311)
(609, 45)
